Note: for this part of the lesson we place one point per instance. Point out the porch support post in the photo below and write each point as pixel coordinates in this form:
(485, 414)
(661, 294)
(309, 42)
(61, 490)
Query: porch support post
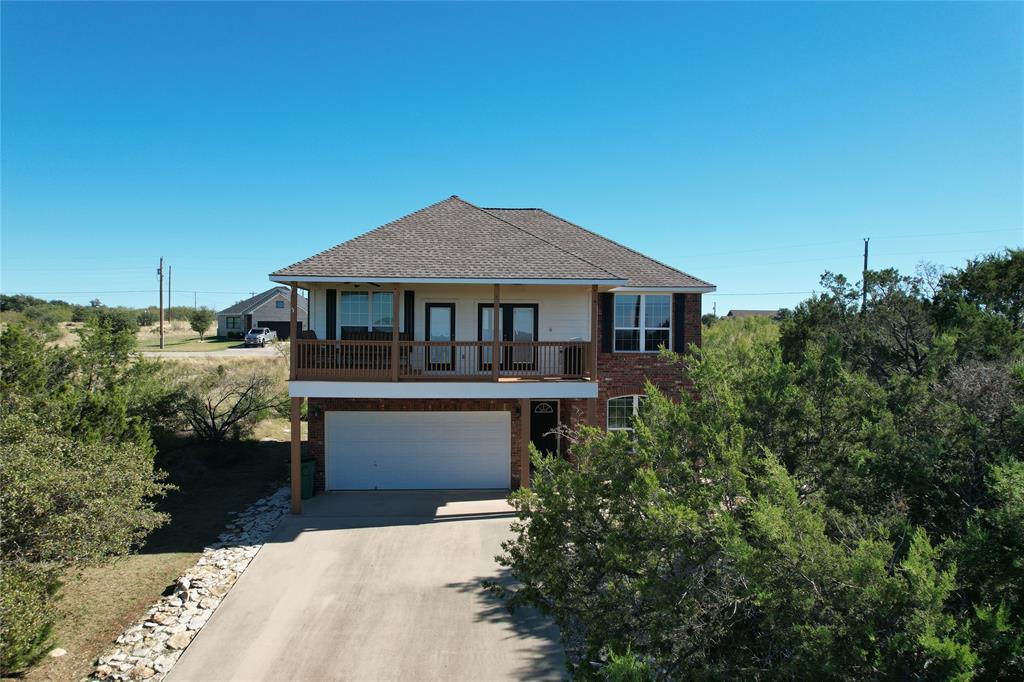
(593, 332)
(296, 463)
(524, 443)
(293, 345)
(592, 402)
(495, 335)
(394, 332)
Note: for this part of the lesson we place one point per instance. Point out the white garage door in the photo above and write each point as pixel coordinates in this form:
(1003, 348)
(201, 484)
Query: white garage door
(410, 450)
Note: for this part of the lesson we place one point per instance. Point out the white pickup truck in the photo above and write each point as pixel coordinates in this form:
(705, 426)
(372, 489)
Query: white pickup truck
(258, 336)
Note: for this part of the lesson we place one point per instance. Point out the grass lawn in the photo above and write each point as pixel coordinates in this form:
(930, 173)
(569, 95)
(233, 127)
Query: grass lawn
(180, 343)
(100, 602)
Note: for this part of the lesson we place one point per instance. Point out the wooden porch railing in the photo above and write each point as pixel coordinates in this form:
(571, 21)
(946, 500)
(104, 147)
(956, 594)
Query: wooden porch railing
(371, 360)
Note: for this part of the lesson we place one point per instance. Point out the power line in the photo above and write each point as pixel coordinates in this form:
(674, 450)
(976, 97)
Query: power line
(128, 291)
(847, 241)
(760, 293)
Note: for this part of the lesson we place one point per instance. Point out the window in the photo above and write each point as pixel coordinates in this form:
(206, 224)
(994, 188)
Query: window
(278, 304)
(367, 310)
(643, 322)
(355, 309)
(234, 322)
(622, 410)
(381, 302)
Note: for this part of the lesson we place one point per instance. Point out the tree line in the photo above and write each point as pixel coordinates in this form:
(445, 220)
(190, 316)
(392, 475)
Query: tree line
(46, 316)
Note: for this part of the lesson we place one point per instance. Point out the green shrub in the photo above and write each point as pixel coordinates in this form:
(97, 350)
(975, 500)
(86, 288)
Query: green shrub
(76, 466)
(146, 317)
(200, 320)
(26, 616)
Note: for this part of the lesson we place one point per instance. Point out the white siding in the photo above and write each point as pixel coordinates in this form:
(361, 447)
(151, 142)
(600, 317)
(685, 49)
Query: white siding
(563, 311)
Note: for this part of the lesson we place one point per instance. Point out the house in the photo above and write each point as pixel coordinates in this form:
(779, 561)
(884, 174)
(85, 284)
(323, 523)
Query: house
(269, 309)
(408, 385)
(773, 314)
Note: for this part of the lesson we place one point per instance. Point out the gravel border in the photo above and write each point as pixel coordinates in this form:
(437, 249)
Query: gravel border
(148, 648)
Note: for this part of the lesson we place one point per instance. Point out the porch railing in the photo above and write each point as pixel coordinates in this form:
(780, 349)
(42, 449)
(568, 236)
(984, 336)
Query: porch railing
(371, 360)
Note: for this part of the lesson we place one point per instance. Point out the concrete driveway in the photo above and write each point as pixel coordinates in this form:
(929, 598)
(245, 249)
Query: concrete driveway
(239, 351)
(376, 586)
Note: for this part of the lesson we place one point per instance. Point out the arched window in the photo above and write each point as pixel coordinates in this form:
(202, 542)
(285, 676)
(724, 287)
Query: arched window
(621, 411)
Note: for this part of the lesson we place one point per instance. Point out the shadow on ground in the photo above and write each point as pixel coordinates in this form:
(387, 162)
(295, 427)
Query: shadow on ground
(211, 481)
(545, 658)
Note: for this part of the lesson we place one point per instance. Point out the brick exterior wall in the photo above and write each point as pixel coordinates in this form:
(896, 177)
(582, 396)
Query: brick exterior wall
(319, 406)
(627, 373)
(618, 373)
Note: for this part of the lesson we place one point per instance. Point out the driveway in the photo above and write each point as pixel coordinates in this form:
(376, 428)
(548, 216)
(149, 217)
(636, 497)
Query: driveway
(227, 353)
(376, 586)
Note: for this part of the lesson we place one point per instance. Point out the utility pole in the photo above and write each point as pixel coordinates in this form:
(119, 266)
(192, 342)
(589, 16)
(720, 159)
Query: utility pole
(160, 272)
(195, 300)
(864, 277)
(169, 270)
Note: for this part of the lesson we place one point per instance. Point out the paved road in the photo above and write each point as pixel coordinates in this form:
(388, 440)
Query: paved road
(242, 352)
(376, 586)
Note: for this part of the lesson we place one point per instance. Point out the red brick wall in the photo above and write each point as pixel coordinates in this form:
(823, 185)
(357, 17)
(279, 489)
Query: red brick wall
(319, 406)
(627, 373)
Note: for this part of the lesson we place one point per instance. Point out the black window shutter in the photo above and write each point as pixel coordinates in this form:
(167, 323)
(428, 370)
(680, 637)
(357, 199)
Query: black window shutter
(332, 314)
(678, 322)
(607, 303)
(410, 312)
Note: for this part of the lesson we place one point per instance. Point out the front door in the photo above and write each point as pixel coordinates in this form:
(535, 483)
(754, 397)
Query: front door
(543, 425)
(517, 323)
(440, 324)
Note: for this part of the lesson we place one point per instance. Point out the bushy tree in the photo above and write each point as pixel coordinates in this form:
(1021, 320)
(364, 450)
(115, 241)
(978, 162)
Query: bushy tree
(76, 466)
(200, 320)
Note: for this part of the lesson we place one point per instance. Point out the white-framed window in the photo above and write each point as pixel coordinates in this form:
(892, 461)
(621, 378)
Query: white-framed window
(643, 322)
(369, 309)
(622, 410)
(278, 304)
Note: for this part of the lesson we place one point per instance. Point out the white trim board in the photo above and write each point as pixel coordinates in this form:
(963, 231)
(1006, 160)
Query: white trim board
(537, 390)
(288, 279)
(678, 290)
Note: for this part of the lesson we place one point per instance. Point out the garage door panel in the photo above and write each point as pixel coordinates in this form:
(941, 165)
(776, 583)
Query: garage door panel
(396, 450)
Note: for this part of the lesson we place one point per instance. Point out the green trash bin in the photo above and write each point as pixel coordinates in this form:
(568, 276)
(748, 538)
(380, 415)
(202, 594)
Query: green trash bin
(308, 469)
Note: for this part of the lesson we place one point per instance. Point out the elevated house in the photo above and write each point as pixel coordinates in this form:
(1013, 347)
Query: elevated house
(441, 344)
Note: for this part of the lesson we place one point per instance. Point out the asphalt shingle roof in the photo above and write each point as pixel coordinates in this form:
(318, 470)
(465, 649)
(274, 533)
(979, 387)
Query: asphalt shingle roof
(258, 300)
(638, 269)
(455, 239)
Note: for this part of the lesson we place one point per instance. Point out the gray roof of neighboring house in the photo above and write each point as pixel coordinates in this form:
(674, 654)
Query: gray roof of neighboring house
(256, 301)
(752, 313)
(455, 239)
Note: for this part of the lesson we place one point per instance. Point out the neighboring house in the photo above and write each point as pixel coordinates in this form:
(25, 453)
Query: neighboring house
(269, 309)
(402, 386)
(774, 314)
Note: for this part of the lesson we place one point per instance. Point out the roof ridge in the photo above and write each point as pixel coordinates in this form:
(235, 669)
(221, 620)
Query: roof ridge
(523, 229)
(363, 234)
(631, 250)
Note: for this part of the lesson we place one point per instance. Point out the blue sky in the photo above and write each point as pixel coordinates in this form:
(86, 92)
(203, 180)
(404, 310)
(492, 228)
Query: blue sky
(752, 145)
